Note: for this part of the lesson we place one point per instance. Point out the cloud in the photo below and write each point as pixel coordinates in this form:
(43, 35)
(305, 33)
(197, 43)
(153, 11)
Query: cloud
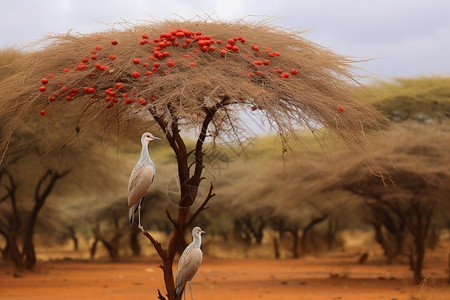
(409, 37)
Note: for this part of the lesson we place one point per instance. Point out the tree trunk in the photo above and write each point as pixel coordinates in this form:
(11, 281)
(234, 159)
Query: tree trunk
(5, 251)
(74, 238)
(93, 249)
(381, 240)
(276, 248)
(134, 243)
(96, 232)
(255, 227)
(112, 250)
(28, 247)
(241, 233)
(419, 251)
(16, 256)
(28, 251)
(175, 240)
(11, 251)
(12, 232)
(332, 231)
(295, 238)
(418, 263)
(295, 253)
(189, 184)
(307, 229)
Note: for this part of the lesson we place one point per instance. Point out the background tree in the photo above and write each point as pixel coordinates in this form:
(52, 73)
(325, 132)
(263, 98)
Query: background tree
(177, 74)
(422, 99)
(408, 205)
(49, 172)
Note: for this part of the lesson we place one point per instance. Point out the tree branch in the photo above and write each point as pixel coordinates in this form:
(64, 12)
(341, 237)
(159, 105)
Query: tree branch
(4, 198)
(55, 176)
(16, 220)
(155, 243)
(201, 208)
(163, 127)
(160, 297)
(428, 218)
(177, 227)
(210, 112)
(183, 169)
(178, 146)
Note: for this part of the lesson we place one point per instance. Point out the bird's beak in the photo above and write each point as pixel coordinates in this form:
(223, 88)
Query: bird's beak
(203, 231)
(157, 138)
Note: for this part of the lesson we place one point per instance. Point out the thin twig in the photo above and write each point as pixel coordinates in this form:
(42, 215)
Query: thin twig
(160, 297)
(155, 243)
(202, 207)
(176, 226)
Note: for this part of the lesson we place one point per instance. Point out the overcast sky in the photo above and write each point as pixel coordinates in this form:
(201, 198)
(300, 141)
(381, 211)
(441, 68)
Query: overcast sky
(408, 37)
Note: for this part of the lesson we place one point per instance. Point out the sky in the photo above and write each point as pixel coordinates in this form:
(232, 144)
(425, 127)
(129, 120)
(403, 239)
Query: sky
(407, 38)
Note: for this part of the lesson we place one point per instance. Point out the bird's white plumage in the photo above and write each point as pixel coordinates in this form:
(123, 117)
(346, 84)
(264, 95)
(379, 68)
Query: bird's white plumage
(141, 177)
(188, 265)
(190, 261)
(139, 183)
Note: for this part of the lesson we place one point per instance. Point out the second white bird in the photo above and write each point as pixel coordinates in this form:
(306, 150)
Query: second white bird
(189, 262)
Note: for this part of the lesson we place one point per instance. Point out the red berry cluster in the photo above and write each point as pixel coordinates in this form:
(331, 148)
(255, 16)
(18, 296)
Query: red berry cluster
(159, 51)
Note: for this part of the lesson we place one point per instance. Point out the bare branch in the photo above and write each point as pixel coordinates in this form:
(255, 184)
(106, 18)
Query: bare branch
(201, 208)
(178, 146)
(177, 227)
(4, 197)
(183, 169)
(210, 112)
(170, 217)
(190, 152)
(155, 243)
(55, 176)
(160, 297)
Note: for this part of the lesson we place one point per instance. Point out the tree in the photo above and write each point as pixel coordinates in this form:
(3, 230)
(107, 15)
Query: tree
(193, 75)
(423, 99)
(409, 202)
(31, 176)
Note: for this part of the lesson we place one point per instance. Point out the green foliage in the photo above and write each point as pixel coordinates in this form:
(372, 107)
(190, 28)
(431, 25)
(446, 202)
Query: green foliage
(422, 99)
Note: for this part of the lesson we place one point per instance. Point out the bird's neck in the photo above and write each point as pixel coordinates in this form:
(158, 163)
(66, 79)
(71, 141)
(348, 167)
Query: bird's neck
(197, 242)
(144, 153)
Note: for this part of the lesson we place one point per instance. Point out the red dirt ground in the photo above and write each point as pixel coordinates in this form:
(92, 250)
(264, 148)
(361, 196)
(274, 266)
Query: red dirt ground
(285, 279)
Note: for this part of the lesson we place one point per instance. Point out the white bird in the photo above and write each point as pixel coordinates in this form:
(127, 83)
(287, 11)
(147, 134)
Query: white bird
(141, 178)
(189, 262)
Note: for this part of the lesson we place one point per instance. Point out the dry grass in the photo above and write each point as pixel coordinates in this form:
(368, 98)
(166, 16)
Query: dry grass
(7, 56)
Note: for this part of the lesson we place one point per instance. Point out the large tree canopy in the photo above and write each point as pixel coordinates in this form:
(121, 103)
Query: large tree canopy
(181, 71)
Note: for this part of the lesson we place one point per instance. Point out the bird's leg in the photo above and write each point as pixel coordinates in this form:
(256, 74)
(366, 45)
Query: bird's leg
(139, 211)
(184, 292)
(190, 287)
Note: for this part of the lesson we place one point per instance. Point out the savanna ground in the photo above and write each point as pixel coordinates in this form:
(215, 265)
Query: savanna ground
(335, 275)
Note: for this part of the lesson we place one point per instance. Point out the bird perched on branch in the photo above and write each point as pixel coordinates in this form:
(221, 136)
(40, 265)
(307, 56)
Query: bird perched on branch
(189, 262)
(141, 178)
